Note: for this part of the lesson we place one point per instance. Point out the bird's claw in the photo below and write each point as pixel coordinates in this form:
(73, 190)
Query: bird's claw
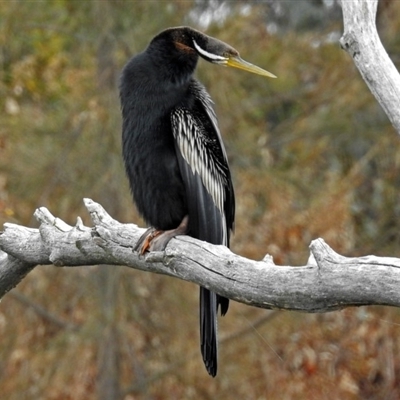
(144, 244)
(156, 240)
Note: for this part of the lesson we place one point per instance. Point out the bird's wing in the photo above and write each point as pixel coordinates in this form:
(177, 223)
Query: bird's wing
(204, 168)
(210, 198)
(205, 172)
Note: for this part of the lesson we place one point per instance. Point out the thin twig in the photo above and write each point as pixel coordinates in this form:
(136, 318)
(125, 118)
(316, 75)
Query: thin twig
(144, 384)
(42, 312)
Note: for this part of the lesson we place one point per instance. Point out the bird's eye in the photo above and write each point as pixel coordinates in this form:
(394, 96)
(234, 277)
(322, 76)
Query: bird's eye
(231, 53)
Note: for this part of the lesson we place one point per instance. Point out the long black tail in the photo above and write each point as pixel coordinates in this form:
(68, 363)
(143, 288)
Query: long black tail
(209, 302)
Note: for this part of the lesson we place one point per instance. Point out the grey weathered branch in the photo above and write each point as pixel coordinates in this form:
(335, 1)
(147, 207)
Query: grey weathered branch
(329, 281)
(12, 271)
(361, 40)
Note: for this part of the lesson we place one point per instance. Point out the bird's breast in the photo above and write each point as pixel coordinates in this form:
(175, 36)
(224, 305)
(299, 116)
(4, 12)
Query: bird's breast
(152, 169)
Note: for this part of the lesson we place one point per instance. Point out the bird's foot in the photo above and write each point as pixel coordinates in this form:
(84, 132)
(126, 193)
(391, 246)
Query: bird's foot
(144, 243)
(156, 240)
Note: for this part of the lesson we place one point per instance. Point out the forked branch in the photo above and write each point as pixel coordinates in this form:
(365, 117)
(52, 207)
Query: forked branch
(329, 281)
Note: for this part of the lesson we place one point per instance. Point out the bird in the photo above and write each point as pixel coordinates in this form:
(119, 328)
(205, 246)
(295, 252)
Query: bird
(174, 156)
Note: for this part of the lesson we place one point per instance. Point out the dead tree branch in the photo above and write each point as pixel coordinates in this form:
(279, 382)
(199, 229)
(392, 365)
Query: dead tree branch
(361, 40)
(328, 282)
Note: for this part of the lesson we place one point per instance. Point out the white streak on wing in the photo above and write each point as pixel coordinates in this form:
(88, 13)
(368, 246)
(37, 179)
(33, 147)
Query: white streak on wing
(189, 139)
(207, 54)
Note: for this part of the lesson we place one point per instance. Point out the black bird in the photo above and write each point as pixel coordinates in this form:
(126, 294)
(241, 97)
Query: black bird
(174, 155)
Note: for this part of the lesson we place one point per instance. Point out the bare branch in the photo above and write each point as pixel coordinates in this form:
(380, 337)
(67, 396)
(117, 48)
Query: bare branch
(142, 386)
(328, 282)
(43, 313)
(12, 271)
(361, 40)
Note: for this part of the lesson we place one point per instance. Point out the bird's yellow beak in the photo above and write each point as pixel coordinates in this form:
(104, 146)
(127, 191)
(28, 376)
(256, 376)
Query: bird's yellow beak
(237, 62)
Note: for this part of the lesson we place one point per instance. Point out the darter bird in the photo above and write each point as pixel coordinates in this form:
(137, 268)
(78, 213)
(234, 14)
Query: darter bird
(174, 156)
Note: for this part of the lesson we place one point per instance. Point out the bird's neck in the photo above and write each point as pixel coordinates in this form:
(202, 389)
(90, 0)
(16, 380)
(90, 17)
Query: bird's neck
(174, 68)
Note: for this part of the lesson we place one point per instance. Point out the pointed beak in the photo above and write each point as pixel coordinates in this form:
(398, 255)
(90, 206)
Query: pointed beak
(237, 62)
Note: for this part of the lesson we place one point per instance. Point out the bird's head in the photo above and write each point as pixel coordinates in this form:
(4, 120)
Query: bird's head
(187, 41)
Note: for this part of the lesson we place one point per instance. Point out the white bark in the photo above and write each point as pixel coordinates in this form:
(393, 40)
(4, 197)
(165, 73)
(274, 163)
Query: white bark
(361, 40)
(329, 281)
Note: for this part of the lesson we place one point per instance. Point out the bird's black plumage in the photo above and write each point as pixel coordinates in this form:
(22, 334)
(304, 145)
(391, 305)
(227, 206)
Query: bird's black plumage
(173, 151)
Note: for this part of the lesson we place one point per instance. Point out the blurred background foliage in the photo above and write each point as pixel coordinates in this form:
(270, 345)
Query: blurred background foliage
(312, 155)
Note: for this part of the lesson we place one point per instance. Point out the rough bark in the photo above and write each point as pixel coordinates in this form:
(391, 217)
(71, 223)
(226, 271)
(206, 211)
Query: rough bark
(328, 282)
(12, 271)
(361, 40)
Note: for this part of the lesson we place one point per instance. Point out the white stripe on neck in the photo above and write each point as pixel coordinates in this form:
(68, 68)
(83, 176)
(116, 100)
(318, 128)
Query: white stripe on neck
(208, 55)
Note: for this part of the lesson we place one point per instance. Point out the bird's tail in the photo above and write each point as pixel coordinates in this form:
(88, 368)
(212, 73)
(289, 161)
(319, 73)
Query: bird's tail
(209, 302)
